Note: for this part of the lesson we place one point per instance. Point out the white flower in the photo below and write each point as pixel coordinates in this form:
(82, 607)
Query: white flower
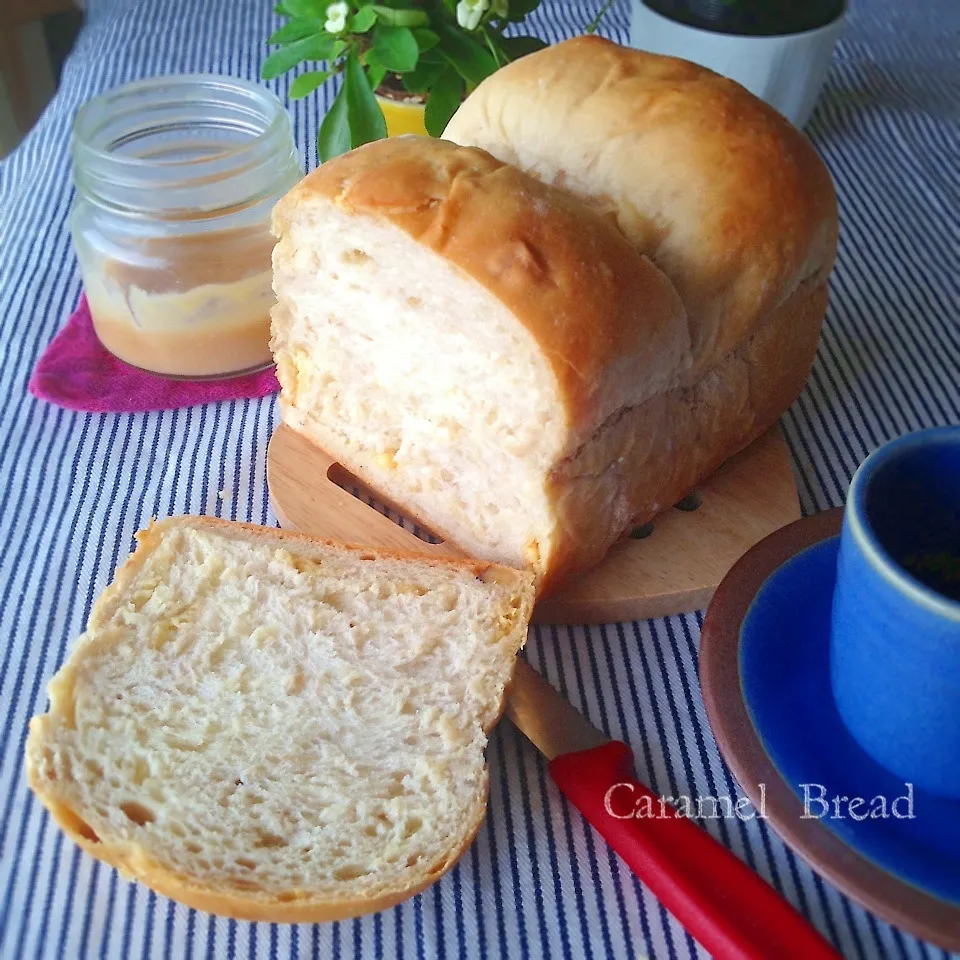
(501, 8)
(336, 17)
(469, 13)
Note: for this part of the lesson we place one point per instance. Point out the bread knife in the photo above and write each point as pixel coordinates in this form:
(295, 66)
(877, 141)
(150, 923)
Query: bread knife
(729, 909)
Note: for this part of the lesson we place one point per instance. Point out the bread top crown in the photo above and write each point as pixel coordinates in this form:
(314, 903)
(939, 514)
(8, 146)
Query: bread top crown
(718, 189)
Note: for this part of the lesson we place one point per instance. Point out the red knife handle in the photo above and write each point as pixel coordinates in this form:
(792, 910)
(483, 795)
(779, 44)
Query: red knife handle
(730, 910)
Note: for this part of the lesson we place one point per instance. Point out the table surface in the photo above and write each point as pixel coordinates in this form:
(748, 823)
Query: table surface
(75, 487)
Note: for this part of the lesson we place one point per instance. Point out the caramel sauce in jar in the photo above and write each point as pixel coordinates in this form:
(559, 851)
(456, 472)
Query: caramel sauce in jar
(176, 178)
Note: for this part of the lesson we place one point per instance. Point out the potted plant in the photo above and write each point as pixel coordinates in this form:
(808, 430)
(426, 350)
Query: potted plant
(778, 49)
(406, 64)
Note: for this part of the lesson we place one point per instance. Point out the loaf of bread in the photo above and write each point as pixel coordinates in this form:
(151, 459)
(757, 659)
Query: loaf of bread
(272, 727)
(457, 334)
(531, 361)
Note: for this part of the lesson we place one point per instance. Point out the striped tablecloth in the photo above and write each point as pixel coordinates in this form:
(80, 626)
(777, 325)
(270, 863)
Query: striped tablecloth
(536, 883)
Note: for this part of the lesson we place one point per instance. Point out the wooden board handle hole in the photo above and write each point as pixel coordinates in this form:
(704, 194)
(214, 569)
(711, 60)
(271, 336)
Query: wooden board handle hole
(345, 480)
(692, 501)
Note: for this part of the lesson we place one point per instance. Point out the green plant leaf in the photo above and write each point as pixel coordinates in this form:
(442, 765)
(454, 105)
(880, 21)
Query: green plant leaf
(517, 47)
(465, 55)
(499, 57)
(424, 77)
(396, 48)
(364, 115)
(334, 136)
(306, 83)
(309, 48)
(306, 8)
(362, 20)
(432, 55)
(426, 39)
(601, 13)
(376, 71)
(295, 30)
(518, 9)
(401, 18)
(445, 96)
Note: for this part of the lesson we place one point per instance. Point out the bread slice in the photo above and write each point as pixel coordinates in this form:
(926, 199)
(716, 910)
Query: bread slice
(273, 727)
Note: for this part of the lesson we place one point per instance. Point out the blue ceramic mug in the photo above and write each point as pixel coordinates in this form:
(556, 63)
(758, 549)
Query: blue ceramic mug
(895, 633)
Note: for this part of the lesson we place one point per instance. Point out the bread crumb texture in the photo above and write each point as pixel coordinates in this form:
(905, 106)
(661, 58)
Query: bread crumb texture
(279, 725)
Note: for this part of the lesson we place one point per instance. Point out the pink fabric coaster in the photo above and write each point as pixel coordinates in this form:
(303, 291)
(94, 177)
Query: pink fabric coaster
(77, 372)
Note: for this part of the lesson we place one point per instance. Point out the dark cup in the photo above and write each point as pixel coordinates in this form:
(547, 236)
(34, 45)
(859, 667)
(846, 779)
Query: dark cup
(895, 633)
(751, 18)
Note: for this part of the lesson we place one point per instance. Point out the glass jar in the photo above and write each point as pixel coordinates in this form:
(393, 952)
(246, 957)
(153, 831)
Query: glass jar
(176, 178)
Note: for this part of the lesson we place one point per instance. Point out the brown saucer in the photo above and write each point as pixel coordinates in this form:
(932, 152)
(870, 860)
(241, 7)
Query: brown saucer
(872, 887)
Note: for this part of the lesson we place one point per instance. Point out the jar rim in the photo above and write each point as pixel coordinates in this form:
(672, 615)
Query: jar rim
(247, 133)
(84, 123)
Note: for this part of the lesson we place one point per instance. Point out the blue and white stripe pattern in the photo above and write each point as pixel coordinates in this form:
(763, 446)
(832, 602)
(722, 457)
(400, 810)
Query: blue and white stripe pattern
(536, 883)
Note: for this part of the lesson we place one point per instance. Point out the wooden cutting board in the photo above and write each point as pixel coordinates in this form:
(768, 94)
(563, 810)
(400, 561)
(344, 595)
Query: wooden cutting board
(674, 569)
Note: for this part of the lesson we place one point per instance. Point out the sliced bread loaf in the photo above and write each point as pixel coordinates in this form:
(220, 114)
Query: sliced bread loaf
(462, 337)
(272, 727)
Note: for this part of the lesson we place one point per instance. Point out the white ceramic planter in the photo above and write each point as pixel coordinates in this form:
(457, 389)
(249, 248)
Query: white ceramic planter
(786, 71)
